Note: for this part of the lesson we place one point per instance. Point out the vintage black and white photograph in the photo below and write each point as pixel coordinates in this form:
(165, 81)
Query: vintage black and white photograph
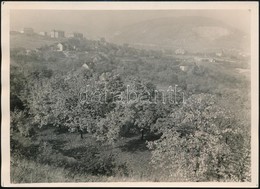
(130, 95)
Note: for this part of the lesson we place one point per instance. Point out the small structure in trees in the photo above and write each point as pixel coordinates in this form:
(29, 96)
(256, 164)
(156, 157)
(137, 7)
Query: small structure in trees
(85, 66)
(60, 47)
(180, 51)
(184, 68)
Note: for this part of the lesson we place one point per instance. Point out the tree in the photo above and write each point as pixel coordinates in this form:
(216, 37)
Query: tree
(142, 109)
(109, 127)
(74, 102)
(202, 142)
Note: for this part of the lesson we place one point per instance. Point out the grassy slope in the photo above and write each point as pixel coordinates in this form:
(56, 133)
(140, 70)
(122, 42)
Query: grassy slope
(71, 147)
(30, 42)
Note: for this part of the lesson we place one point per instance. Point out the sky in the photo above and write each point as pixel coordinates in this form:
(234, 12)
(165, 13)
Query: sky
(98, 23)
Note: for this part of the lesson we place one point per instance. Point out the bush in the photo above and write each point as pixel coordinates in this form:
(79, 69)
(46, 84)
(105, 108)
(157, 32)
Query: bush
(21, 123)
(26, 171)
(88, 160)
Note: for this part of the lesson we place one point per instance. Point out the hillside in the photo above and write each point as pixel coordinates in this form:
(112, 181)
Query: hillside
(105, 112)
(192, 33)
(30, 42)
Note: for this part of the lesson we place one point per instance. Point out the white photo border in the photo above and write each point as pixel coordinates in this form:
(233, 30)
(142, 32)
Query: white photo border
(5, 73)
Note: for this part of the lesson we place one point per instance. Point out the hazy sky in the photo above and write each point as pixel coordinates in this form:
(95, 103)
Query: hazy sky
(98, 23)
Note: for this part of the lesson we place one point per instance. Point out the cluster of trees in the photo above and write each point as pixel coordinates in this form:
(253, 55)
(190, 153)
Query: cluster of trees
(202, 142)
(200, 139)
(102, 108)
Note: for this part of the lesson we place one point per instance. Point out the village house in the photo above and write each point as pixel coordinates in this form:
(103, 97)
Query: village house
(204, 59)
(85, 66)
(60, 47)
(211, 60)
(63, 46)
(104, 76)
(31, 51)
(28, 51)
(180, 51)
(184, 68)
(57, 34)
(96, 58)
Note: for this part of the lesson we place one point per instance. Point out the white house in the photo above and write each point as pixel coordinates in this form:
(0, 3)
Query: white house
(60, 47)
(103, 77)
(28, 51)
(96, 58)
(85, 66)
(211, 60)
(204, 59)
(180, 51)
(184, 68)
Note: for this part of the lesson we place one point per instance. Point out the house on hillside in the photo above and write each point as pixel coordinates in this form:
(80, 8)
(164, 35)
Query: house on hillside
(180, 51)
(28, 51)
(96, 58)
(89, 65)
(31, 51)
(204, 59)
(60, 47)
(211, 60)
(104, 76)
(85, 66)
(57, 34)
(184, 68)
(63, 46)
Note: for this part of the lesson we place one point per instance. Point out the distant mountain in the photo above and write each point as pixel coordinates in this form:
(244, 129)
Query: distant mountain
(191, 33)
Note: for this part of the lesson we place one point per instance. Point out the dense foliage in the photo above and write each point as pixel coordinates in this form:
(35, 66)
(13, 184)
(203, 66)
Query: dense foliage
(202, 142)
(194, 129)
